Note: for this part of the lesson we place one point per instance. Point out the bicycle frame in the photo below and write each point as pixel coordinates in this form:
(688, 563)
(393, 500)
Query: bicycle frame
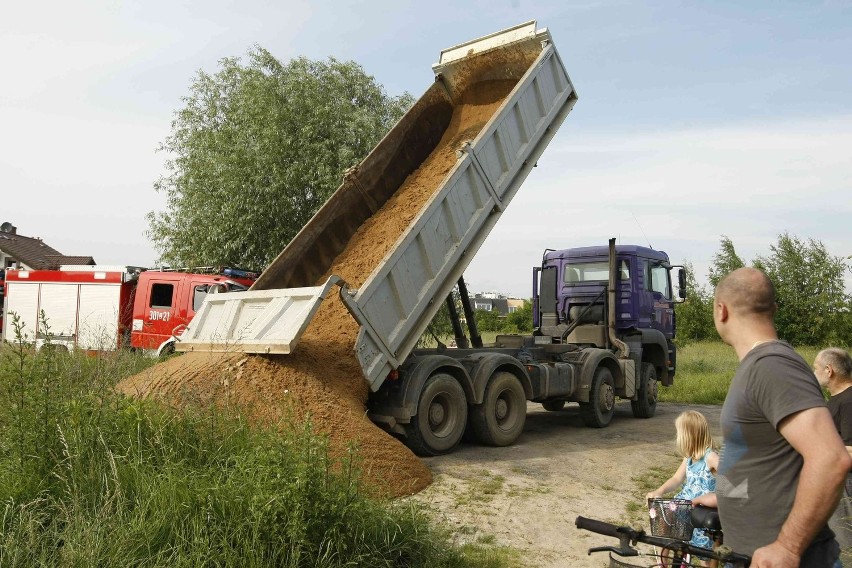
(629, 537)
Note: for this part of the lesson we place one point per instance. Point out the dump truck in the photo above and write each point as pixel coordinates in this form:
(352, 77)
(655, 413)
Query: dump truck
(431, 397)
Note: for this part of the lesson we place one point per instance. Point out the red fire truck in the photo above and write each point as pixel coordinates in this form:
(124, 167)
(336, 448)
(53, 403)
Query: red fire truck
(99, 308)
(2, 296)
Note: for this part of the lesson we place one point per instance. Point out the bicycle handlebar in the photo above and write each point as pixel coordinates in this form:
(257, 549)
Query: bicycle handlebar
(629, 535)
(599, 527)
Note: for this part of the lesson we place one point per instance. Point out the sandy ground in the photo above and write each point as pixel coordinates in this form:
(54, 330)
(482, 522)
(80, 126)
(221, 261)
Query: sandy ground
(528, 495)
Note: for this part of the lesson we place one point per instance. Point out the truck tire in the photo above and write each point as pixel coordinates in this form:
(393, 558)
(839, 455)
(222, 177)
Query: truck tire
(597, 413)
(645, 404)
(553, 405)
(166, 350)
(500, 419)
(441, 417)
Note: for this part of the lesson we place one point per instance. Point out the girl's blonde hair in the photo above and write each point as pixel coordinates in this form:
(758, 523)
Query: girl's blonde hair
(693, 435)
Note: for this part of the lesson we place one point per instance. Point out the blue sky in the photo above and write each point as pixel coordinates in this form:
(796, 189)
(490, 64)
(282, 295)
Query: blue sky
(695, 120)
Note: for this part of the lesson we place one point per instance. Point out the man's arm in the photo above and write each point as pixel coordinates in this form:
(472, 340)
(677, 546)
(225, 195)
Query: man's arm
(826, 462)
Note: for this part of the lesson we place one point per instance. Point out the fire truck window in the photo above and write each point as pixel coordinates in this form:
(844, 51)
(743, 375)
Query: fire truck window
(161, 295)
(198, 296)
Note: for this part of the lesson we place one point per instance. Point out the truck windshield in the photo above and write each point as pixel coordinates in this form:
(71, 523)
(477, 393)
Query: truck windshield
(594, 272)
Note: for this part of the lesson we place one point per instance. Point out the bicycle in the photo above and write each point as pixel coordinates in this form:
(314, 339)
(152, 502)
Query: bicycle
(629, 537)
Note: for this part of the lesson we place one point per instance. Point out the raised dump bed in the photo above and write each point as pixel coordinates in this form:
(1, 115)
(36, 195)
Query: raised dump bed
(403, 292)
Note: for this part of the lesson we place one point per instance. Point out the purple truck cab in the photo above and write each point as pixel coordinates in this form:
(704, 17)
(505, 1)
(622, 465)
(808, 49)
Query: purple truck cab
(570, 289)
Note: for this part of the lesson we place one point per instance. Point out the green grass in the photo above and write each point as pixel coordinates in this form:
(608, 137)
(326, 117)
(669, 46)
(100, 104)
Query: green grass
(90, 478)
(481, 488)
(705, 370)
(637, 506)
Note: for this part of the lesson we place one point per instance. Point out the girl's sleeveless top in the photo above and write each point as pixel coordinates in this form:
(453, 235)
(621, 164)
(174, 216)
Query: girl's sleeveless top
(699, 480)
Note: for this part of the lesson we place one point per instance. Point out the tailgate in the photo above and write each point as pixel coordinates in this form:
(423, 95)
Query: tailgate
(262, 321)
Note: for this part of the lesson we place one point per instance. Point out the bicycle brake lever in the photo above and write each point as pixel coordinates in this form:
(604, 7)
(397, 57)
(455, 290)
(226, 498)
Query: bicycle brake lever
(619, 551)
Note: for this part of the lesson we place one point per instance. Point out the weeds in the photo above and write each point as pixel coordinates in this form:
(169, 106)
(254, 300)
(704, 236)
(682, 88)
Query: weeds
(91, 478)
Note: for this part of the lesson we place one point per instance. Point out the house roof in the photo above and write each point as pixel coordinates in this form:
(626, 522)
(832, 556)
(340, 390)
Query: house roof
(36, 254)
(61, 259)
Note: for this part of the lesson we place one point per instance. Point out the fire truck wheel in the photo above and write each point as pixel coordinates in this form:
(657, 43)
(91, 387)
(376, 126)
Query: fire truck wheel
(441, 417)
(167, 350)
(500, 419)
(597, 413)
(645, 404)
(553, 405)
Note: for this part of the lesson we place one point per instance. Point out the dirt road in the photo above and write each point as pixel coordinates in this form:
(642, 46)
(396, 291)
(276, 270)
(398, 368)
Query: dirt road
(527, 495)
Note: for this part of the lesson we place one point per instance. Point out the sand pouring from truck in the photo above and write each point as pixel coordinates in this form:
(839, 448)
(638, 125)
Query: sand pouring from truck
(587, 347)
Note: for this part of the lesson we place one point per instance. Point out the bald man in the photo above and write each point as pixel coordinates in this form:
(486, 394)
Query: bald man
(833, 370)
(782, 464)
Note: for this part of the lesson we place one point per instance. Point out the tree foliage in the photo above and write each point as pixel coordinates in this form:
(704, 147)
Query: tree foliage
(521, 320)
(811, 296)
(813, 306)
(725, 261)
(694, 315)
(488, 320)
(257, 148)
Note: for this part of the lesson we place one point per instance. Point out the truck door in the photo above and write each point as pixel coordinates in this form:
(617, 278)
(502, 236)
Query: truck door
(160, 310)
(657, 303)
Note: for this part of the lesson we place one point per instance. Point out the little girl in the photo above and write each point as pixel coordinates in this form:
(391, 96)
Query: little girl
(696, 472)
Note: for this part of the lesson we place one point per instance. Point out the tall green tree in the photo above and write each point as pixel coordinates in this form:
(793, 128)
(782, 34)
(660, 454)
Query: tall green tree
(695, 314)
(725, 261)
(809, 283)
(256, 149)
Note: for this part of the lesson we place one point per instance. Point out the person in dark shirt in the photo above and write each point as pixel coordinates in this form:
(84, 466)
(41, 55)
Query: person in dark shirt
(783, 465)
(833, 369)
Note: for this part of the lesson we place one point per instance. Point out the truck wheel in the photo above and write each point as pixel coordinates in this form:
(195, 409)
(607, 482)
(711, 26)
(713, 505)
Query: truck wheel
(167, 350)
(553, 405)
(500, 419)
(441, 417)
(597, 413)
(645, 404)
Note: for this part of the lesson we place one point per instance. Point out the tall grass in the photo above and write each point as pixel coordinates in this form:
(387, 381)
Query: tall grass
(90, 478)
(705, 370)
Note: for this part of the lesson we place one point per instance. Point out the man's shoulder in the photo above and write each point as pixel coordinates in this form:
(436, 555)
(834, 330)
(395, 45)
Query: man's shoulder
(780, 354)
(845, 395)
(841, 400)
(781, 383)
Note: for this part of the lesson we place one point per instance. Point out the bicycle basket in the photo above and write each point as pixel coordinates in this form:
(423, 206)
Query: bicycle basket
(671, 518)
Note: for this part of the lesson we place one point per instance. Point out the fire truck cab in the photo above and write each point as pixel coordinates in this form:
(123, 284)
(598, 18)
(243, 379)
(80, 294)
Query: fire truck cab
(166, 302)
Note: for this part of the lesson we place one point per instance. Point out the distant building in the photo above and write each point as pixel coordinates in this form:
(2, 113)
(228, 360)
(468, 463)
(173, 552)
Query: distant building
(31, 253)
(515, 304)
(495, 302)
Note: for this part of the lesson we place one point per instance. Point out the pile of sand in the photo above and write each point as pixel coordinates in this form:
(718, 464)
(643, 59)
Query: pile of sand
(322, 379)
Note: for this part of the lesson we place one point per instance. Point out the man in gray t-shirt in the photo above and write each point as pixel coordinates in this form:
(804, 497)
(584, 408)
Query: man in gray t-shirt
(782, 463)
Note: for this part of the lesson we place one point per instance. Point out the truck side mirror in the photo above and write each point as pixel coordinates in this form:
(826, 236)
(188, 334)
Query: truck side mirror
(681, 283)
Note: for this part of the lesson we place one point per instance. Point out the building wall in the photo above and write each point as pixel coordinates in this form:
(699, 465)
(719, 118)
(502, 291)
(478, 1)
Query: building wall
(8, 261)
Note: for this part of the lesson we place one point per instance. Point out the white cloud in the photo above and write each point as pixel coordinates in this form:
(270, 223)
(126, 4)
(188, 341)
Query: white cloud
(680, 191)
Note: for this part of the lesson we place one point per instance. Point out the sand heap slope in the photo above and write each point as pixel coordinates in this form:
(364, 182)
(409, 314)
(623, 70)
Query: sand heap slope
(322, 379)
